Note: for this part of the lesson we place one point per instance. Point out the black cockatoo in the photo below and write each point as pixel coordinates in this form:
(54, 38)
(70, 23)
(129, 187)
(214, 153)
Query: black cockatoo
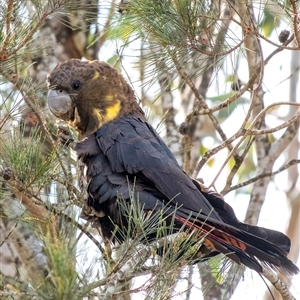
(120, 151)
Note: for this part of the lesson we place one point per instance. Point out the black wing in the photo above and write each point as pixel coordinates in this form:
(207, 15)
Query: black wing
(132, 146)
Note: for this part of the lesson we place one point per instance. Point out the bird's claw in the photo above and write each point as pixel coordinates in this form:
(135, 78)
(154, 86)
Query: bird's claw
(65, 136)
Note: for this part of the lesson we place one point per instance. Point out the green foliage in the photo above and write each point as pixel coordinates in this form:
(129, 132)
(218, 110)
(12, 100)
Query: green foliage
(173, 32)
(17, 46)
(176, 245)
(121, 30)
(62, 279)
(171, 23)
(269, 22)
(224, 114)
(24, 158)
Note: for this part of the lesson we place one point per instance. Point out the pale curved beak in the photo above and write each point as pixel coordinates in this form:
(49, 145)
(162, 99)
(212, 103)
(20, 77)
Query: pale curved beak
(59, 102)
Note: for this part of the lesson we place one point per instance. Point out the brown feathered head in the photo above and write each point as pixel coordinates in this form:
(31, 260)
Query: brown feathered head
(88, 94)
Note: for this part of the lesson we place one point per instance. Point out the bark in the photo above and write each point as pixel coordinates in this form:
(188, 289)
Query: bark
(22, 257)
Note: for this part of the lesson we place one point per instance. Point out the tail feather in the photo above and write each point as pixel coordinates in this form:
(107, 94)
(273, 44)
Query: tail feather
(255, 246)
(272, 236)
(248, 249)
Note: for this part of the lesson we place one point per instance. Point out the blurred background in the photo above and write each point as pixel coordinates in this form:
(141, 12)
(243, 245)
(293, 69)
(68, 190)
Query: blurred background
(219, 82)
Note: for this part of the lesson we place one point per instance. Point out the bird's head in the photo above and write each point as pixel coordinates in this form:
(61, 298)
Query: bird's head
(88, 94)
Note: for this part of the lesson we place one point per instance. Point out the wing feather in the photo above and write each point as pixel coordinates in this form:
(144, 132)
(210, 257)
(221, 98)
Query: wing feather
(135, 148)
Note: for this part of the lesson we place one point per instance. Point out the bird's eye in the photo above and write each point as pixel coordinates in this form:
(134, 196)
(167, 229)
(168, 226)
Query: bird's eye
(75, 85)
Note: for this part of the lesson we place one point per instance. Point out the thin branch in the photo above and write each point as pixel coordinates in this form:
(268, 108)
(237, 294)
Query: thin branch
(216, 149)
(295, 20)
(228, 142)
(277, 148)
(258, 177)
(274, 129)
(279, 49)
(3, 51)
(31, 102)
(214, 120)
(228, 101)
(243, 133)
(79, 226)
(127, 270)
(37, 208)
(214, 54)
(107, 24)
(38, 25)
(279, 285)
(236, 167)
(245, 121)
(9, 234)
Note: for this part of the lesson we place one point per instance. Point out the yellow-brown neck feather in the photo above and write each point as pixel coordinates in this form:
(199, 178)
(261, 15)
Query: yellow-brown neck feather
(109, 113)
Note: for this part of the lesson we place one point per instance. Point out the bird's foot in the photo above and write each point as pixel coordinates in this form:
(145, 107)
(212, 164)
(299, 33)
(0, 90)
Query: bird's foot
(65, 136)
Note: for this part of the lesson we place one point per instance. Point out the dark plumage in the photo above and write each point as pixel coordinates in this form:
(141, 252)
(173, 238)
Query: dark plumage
(120, 150)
